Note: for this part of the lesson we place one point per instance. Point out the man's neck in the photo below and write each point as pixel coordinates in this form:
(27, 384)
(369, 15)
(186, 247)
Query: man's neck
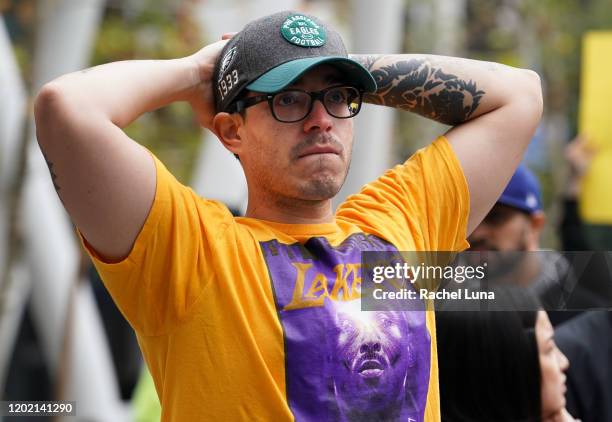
(290, 210)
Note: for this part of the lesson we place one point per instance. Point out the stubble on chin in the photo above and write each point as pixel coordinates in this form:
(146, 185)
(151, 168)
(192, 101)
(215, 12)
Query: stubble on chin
(323, 183)
(320, 188)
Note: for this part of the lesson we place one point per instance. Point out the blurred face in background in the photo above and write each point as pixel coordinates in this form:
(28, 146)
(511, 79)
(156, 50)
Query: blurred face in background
(507, 229)
(508, 232)
(553, 365)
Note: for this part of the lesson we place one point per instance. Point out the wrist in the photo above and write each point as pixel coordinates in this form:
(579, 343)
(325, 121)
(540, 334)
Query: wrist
(189, 78)
(193, 70)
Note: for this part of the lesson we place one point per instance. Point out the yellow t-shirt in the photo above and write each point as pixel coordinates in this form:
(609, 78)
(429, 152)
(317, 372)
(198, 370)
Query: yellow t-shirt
(247, 320)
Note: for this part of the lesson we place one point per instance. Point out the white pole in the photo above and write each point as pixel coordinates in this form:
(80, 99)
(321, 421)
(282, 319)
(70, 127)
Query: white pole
(15, 283)
(66, 30)
(375, 28)
(449, 24)
(12, 103)
(13, 106)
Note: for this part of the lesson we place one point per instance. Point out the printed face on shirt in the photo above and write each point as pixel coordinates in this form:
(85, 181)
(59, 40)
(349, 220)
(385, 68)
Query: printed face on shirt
(372, 359)
(343, 364)
(305, 160)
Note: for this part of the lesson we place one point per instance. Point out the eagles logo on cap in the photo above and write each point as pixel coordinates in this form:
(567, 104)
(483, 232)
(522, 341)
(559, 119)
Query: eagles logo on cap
(303, 31)
(225, 62)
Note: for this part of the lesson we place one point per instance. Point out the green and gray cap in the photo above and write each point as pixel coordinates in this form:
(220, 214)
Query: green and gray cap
(274, 51)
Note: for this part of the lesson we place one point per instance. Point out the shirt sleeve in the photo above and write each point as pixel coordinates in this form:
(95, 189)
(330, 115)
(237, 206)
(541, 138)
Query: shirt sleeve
(163, 276)
(422, 204)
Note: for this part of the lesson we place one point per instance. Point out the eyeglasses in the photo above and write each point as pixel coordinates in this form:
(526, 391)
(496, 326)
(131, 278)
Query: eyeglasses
(293, 105)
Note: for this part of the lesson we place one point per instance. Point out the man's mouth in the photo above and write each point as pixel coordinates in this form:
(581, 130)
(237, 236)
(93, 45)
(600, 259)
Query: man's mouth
(319, 149)
(371, 369)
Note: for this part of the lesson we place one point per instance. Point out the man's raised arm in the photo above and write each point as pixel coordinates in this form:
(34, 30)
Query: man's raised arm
(494, 109)
(105, 180)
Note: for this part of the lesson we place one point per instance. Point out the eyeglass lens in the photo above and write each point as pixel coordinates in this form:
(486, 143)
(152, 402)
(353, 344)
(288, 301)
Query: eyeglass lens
(293, 105)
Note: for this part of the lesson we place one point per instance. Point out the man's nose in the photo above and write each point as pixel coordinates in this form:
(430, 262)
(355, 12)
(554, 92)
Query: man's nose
(318, 119)
(564, 362)
(369, 347)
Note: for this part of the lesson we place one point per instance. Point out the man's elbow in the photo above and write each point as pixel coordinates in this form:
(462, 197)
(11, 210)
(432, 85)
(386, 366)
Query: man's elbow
(49, 107)
(48, 95)
(532, 94)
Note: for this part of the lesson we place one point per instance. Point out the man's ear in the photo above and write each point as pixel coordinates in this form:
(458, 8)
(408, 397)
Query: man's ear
(537, 220)
(226, 128)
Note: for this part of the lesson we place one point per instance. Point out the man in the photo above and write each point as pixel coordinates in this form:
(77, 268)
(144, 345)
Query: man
(512, 230)
(231, 312)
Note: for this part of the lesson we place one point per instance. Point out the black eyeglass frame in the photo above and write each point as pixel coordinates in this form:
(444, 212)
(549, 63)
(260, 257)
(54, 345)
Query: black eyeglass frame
(243, 104)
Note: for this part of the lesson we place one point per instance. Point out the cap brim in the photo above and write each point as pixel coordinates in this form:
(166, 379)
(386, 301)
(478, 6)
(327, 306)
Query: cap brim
(282, 75)
(518, 204)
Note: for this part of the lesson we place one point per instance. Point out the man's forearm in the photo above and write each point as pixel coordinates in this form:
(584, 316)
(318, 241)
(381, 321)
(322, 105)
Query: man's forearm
(122, 91)
(449, 90)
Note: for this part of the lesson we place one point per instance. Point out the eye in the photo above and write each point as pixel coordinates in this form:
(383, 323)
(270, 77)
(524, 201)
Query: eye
(346, 325)
(337, 96)
(287, 98)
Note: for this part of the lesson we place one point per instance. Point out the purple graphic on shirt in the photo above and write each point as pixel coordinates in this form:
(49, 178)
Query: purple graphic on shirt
(343, 364)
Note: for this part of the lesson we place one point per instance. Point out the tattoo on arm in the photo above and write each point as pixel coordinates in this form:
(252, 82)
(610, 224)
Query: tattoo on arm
(416, 85)
(53, 176)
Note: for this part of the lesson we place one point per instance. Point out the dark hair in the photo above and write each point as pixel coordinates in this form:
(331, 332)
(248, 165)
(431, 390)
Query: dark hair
(241, 96)
(489, 368)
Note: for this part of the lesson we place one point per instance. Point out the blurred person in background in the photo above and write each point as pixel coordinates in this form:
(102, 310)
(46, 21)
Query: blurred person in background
(587, 339)
(500, 364)
(578, 156)
(516, 220)
(575, 235)
(587, 342)
(230, 312)
(512, 230)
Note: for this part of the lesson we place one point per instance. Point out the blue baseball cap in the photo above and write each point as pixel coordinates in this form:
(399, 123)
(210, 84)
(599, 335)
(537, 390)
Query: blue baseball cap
(523, 191)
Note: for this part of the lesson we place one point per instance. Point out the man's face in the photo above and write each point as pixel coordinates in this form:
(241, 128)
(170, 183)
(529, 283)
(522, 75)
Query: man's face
(509, 232)
(305, 160)
(503, 229)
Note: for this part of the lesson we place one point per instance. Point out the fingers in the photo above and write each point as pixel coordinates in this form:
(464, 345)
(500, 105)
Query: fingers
(228, 35)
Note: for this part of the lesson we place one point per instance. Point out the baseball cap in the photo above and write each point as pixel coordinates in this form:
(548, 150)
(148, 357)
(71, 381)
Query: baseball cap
(522, 192)
(272, 52)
